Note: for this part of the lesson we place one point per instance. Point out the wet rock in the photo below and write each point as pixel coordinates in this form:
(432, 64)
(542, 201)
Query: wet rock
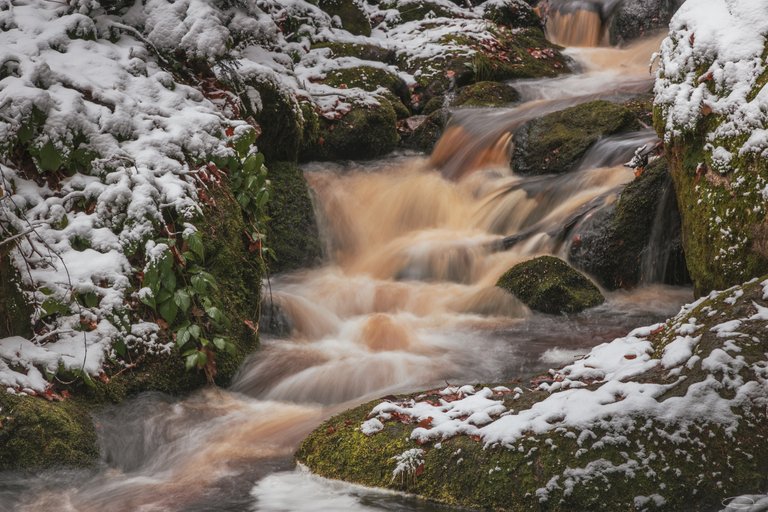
(351, 13)
(485, 94)
(369, 78)
(363, 51)
(426, 131)
(644, 451)
(550, 285)
(640, 233)
(632, 19)
(415, 10)
(553, 144)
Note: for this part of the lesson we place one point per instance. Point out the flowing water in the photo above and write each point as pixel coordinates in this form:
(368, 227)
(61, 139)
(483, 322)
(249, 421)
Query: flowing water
(405, 301)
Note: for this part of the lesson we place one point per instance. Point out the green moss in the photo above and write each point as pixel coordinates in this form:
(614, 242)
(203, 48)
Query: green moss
(626, 457)
(15, 313)
(363, 132)
(292, 231)
(550, 285)
(486, 94)
(554, 143)
(610, 245)
(512, 14)
(363, 51)
(35, 433)
(370, 79)
(426, 135)
(353, 18)
(281, 121)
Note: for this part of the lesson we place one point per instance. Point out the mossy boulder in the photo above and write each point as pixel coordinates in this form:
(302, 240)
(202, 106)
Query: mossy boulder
(510, 13)
(554, 144)
(365, 131)
(36, 433)
(550, 285)
(351, 13)
(486, 94)
(639, 234)
(369, 78)
(427, 132)
(414, 10)
(363, 51)
(671, 449)
(718, 165)
(292, 230)
(280, 117)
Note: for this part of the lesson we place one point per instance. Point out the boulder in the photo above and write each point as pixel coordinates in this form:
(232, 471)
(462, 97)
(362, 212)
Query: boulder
(365, 131)
(710, 108)
(550, 285)
(485, 94)
(620, 243)
(510, 13)
(554, 143)
(352, 15)
(638, 424)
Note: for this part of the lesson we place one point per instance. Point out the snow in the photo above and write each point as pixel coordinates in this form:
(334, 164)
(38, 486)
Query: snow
(728, 39)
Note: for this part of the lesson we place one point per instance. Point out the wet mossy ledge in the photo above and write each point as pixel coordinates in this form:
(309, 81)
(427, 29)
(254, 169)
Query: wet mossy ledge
(672, 417)
(554, 143)
(548, 284)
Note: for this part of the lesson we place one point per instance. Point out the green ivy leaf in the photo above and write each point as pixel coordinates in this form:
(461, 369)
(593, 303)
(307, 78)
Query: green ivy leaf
(220, 343)
(195, 331)
(191, 360)
(169, 281)
(182, 299)
(202, 359)
(168, 310)
(182, 336)
(195, 243)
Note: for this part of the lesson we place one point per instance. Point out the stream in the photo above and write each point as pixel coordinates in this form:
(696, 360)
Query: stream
(405, 301)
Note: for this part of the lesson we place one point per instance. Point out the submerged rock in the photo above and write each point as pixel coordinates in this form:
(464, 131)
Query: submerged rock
(554, 143)
(638, 424)
(620, 243)
(550, 285)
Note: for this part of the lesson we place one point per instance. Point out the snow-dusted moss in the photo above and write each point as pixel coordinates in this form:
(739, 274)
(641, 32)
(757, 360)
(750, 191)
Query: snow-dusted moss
(670, 417)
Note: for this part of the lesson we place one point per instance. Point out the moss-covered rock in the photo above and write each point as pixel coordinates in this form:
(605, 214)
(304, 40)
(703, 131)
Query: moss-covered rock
(486, 94)
(292, 230)
(369, 78)
(614, 244)
(428, 131)
(414, 10)
(352, 16)
(363, 51)
(35, 433)
(680, 459)
(281, 119)
(553, 144)
(15, 313)
(718, 167)
(510, 13)
(366, 131)
(550, 285)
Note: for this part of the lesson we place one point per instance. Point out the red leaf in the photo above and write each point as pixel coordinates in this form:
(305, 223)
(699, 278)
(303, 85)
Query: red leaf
(630, 356)
(251, 326)
(419, 470)
(426, 422)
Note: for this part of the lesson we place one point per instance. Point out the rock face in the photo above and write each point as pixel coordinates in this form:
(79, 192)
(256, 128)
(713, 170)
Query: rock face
(632, 19)
(638, 424)
(553, 144)
(639, 234)
(550, 285)
(710, 107)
